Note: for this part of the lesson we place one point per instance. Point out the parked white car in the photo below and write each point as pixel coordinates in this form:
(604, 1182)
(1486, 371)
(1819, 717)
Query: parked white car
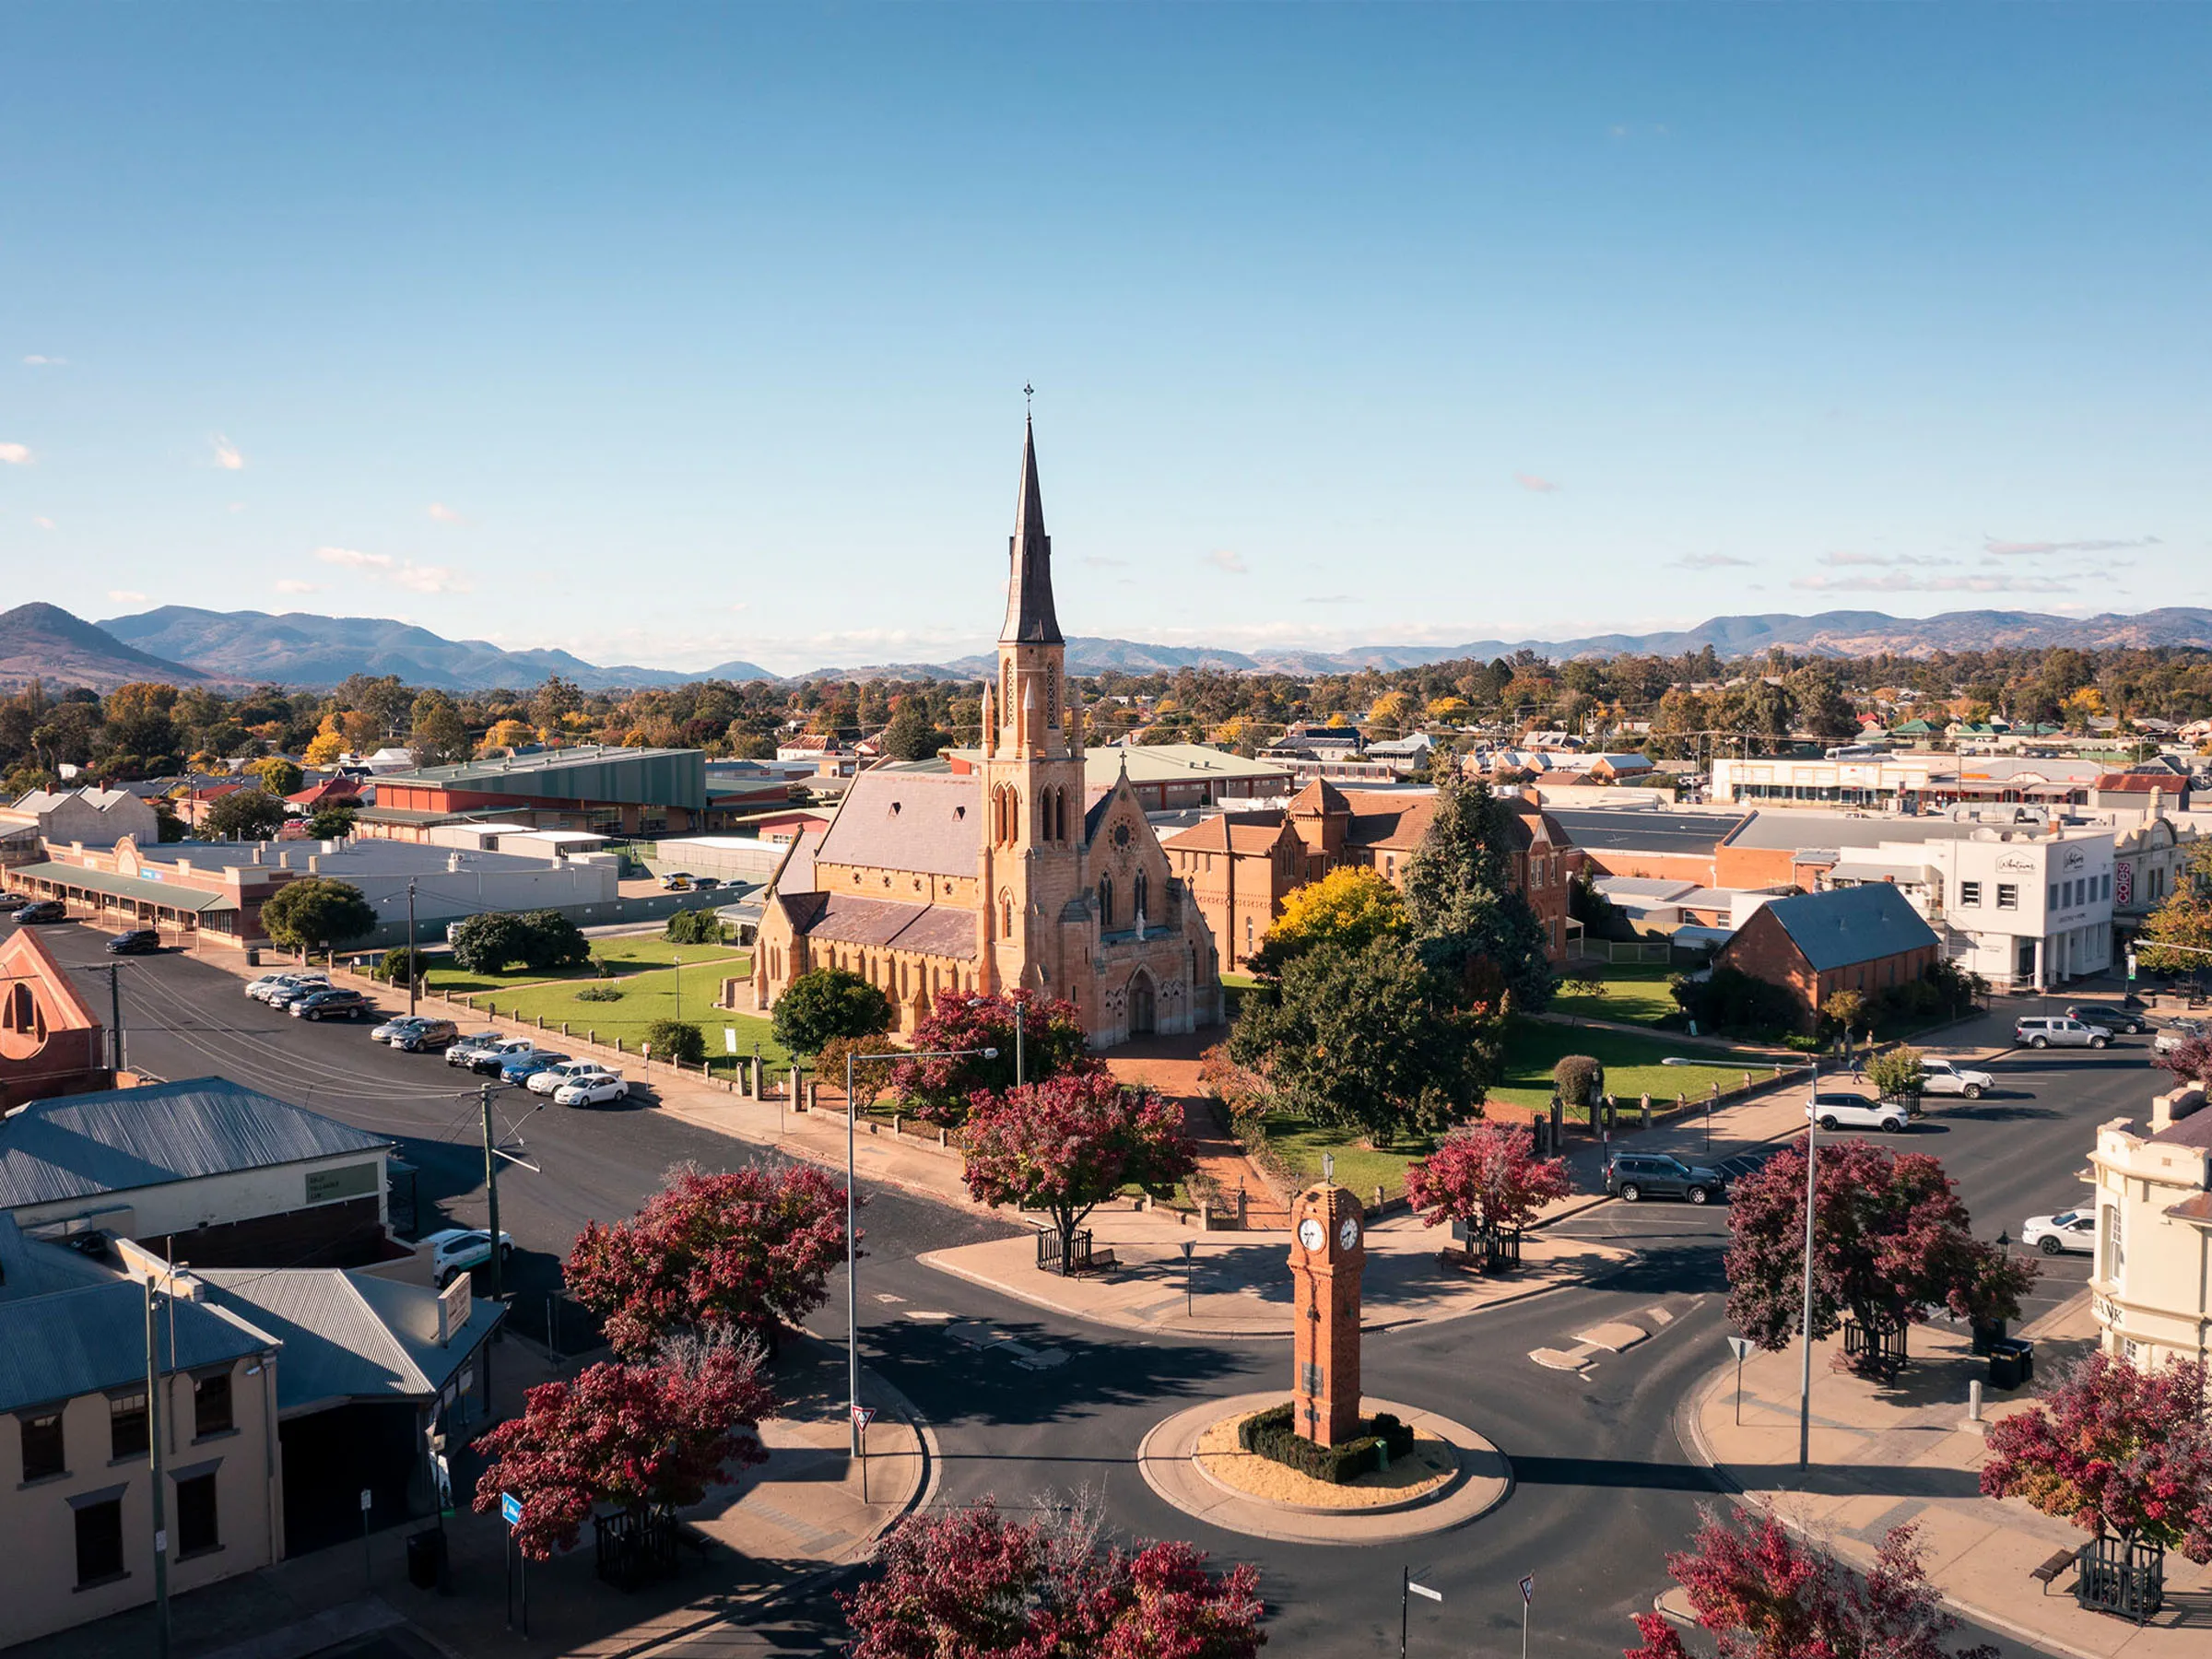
(270, 987)
(593, 1089)
(1941, 1077)
(2172, 1035)
(464, 1052)
(1857, 1112)
(2069, 1229)
(549, 1080)
(458, 1249)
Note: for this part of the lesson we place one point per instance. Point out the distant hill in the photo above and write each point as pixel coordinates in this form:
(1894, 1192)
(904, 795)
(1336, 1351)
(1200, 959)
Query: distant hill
(46, 644)
(301, 649)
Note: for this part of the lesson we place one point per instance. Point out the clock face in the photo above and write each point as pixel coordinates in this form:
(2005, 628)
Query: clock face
(1311, 1234)
(1348, 1234)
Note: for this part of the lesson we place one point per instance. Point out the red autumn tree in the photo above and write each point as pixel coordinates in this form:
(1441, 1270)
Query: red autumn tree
(974, 1583)
(1051, 1040)
(1487, 1175)
(2190, 1060)
(2114, 1449)
(745, 1249)
(1762, 1594)
(1890, 1240)
(648, 1437)
(1065, 1145)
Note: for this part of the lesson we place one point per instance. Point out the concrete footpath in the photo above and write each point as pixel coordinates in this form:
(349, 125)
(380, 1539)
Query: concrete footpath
(780, 1528)
(1887, 1456)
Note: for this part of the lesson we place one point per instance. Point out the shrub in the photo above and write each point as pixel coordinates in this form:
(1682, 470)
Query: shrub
(487, 943)
(551, 940)
(1579, 1080)
(676, 1040)
(826, 1002)
(695, 927)
(1273, 1434)
(599, 994)
(1729, 1000)
(395, 967)
(1897, 1073)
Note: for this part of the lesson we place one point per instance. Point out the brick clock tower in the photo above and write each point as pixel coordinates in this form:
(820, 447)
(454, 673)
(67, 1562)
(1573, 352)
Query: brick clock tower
(1328, 1252)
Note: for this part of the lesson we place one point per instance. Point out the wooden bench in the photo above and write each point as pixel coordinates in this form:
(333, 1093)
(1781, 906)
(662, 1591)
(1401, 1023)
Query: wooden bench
(2051, 1569)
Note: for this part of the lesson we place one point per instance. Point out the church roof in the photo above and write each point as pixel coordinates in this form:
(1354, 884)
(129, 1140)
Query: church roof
(928, 822)
(850, 919)
(1392, 821)
(1242, 833)
(1320, 796)
(1029, 617)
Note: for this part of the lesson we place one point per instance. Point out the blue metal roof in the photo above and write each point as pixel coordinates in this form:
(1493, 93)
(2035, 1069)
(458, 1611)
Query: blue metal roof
(74, 1146)
(1847, 925)
(57, 1347)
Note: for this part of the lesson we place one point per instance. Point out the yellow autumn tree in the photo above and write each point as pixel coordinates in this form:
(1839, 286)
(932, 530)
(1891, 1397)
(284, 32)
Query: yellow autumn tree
(328, 743)
(1351, 906)
(506, 735)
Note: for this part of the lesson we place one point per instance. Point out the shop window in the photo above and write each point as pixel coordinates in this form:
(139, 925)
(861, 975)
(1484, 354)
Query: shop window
(98, 1542)
(2008, 896)
(43, 1452)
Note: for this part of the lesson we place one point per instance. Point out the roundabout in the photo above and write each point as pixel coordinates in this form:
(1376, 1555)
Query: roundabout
(1192, 1460)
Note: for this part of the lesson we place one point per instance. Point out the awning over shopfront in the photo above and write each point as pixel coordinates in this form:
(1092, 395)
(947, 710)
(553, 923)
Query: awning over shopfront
(54, 880)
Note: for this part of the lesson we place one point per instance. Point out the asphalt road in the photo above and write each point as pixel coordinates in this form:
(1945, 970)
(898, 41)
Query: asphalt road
(1603, 1487)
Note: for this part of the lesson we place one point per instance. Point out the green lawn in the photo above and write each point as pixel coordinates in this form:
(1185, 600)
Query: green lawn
(638, 954)
(1632, 1064)
(648, 995)
(1300, 1146)
(1631, 993)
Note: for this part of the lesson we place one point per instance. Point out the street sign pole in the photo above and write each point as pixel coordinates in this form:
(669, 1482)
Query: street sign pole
(861, 1416)
(1529, 1595)
(1741, 1348)
(511, 1511)
(368, 1567)
(1408, 1590)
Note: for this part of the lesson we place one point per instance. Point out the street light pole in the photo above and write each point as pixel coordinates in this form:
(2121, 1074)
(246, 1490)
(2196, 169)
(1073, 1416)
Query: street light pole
(1805, 1364)
(153, 1441)
(852, 1241)
(414, 978)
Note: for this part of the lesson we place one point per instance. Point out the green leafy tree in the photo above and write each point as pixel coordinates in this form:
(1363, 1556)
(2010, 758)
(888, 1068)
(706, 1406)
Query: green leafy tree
(486, 943)
(437, 733)
(317, 913)
(826, 1002)
(1470, 923)
(912, 734)
(2185, 919)
(1897, 1073)
(1371, 1040)
(1580, 1082)
(249, 814)
(695, 927)
(331, 823)
(278, 776)
(550, 940)
(678, 1041)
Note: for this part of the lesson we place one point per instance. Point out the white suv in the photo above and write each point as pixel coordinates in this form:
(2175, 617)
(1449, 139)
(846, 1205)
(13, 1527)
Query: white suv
(458, 1249)
(2069, 1229)
(2059, 1032)
(1857, 1112)
(1941, 1077)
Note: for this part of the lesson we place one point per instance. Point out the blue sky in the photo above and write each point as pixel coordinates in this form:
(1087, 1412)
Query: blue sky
(669, 334)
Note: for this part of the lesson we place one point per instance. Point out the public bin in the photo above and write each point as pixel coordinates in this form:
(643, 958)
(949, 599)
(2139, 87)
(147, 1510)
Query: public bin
(252, 956)
(2011, 1362)
(425, 1558)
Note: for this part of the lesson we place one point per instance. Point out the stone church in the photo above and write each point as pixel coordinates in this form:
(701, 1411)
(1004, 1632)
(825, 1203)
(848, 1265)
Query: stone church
(1013, 876)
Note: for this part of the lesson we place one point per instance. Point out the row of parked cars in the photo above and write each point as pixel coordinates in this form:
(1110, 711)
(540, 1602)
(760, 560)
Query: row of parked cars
(516, 1060)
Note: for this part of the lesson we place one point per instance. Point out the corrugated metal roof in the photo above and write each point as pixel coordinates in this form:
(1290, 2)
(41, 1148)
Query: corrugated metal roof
(33, 1267)
(348, 1335)
(1847, 925)
(110, 1142)
(125, 887)
(57, 1347)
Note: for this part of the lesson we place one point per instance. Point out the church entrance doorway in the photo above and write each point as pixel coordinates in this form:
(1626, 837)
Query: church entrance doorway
(1142, 1019)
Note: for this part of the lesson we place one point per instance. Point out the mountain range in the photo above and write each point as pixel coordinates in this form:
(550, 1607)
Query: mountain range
(185, 645)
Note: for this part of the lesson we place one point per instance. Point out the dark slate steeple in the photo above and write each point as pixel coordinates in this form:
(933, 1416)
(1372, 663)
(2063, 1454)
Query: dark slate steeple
(1029, 618)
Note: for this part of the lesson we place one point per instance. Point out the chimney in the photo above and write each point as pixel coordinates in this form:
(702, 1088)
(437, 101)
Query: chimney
(2170, 1108)
(256, 852)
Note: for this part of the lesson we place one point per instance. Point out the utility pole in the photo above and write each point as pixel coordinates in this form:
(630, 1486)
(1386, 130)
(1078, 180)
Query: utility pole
(1805, 1367)
(153, 1443)
(115, 1013)
(1019, 1009)
(491, 1193)
(413, 976)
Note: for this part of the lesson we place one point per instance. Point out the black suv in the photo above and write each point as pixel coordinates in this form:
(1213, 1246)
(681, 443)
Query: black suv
(2119, 1017)
(44, 910)
(1633, 1175)
(330, 1004)
(139, 941)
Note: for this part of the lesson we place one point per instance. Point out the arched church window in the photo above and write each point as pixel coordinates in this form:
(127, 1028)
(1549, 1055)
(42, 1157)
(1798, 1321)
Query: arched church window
(1006, 915)
(1013, 816)
(1105, 901)
(1140, 891)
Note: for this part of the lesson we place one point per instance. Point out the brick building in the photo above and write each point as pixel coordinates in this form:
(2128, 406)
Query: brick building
(1243, 865)
(1860, 938)
(51, 1041)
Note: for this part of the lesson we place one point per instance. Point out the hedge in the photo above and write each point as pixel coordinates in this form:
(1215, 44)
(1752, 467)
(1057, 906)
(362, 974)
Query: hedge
(1273, 1434)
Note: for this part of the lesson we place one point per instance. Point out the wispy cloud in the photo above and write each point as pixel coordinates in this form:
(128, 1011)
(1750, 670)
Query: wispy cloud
(14, 455)
(2030, 549)
(353, 558)
(1712, 562)
(1229, 563)
(43, 523)
(1541, 486)
(444, 514)
(36, 360)
(126, 595)
(292, 584)
(1846, 559)
(400, 572)
(238, 506)
(1906, 581)
(1098, 562)
(226, 455)
(429, 579)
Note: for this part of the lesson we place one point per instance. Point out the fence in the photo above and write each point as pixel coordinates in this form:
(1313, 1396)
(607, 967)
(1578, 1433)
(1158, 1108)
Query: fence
(1618, 952)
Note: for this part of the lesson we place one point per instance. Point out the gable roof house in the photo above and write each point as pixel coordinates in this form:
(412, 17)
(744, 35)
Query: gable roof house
(1865, 938)
(51, 1041)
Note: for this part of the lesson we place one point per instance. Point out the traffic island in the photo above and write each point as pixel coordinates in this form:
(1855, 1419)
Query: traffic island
(1193, 1461)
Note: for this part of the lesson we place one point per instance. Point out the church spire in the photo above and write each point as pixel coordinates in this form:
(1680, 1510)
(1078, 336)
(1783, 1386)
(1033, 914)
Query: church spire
(1029, 618)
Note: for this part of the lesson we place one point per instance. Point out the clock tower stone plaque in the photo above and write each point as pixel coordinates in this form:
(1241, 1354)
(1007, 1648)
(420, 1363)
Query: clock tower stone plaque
(1328, 1252)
